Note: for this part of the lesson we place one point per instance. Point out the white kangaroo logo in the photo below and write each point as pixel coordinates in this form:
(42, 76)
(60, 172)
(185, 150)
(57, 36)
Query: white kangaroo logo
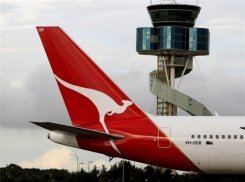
(104, 103)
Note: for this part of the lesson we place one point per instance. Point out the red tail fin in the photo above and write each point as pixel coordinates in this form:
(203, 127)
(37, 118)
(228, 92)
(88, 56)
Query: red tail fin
(89, 95)
(92, 98)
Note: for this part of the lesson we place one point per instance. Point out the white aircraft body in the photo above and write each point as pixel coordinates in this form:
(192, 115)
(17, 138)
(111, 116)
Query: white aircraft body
(106, 121)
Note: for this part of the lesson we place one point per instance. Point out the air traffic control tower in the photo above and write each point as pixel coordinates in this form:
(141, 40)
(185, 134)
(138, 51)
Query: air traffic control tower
(174, 40)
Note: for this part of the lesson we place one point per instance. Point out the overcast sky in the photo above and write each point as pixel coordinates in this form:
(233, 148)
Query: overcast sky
(106, 30)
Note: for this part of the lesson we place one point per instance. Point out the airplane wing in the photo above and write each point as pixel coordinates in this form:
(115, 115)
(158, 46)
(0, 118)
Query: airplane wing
(82, 132)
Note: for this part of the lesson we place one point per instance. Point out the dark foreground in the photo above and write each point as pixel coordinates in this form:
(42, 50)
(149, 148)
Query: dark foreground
(131, 173)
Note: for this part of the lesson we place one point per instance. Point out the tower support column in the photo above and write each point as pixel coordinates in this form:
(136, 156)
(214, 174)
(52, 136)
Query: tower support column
(166, 73)
(162, 74)
(172, 108)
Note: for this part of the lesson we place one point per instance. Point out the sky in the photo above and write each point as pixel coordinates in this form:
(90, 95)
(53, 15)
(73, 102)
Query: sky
(106, 30)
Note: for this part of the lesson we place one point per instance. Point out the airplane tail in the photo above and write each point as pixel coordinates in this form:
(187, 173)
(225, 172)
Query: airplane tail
(105, 120)
(90, 96)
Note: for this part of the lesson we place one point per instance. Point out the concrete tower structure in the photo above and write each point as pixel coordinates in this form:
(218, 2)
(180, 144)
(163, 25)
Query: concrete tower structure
(174, 40)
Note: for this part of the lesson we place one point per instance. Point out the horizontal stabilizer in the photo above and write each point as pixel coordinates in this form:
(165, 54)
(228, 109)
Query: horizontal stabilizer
(82, 132)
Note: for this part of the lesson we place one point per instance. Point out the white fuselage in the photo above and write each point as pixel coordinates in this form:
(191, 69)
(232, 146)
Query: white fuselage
(213, 144)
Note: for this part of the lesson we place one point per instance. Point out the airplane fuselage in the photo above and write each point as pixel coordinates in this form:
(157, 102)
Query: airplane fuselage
(212, 144)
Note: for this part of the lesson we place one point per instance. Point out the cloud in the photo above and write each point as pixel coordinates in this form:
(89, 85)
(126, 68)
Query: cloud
(37, 98)
(8, 50)
(61, 158)
(54, 158)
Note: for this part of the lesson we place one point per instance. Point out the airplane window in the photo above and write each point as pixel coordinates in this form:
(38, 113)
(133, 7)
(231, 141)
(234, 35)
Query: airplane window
(211, 136)
(223, 136)
(192, 136)
(241, 136)
(204, 136)
(229, 136)
(217, 136)
(235, 136)
(198, 136)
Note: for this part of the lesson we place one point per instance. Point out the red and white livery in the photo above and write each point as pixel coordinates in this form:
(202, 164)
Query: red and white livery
(106, 121)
